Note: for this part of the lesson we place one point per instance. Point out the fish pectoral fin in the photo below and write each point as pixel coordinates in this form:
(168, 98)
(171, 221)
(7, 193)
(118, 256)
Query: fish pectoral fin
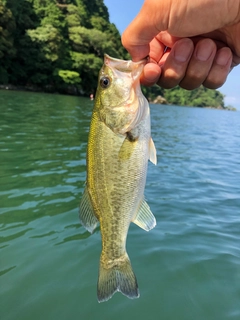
(127, 148)
(86, 212)
(144, 217)
(152, 152)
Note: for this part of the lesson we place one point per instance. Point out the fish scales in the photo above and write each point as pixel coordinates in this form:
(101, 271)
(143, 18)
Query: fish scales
(119, 146)
(111, 191)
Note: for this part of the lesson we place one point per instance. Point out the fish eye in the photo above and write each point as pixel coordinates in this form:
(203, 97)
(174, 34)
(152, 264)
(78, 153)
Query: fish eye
(105, 82)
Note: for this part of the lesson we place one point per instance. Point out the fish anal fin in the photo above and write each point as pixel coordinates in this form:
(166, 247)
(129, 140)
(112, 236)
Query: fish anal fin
(144, 217)
(152, 152)
(86, 212)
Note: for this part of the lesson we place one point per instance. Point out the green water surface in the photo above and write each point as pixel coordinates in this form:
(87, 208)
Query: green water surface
(188, 267)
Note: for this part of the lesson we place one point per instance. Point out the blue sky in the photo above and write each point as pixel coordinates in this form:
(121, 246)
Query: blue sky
(121, 14)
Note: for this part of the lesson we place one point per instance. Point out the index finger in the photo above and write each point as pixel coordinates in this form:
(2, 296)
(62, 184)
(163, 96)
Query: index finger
(140, 32)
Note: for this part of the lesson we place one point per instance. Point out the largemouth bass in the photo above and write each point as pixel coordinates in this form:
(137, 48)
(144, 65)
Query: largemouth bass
(119, 146)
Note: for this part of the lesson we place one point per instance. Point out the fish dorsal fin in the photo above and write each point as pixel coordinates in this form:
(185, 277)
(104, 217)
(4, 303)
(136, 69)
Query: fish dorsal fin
(152, 152)
(86, 212)
(144, 217)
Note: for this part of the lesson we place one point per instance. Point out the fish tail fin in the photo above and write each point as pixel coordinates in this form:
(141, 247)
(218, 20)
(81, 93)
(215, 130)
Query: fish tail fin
(119, 277)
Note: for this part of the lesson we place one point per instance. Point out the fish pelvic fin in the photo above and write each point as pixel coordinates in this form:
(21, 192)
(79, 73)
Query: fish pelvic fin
(86, 212)
(119, 277)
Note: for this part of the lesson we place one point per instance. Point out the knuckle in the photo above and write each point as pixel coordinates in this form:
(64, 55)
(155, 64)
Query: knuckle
(214, 81)
(189, 85)
(192, 80)
(169, 79)
(212, 85)
(196, 75)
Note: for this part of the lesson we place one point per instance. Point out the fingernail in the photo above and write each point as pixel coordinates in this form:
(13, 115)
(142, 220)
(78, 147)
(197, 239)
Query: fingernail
(204, 53)
(183, 49)
(223, 56)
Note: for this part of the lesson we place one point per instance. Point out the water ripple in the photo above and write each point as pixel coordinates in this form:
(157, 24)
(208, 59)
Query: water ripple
(187, 267)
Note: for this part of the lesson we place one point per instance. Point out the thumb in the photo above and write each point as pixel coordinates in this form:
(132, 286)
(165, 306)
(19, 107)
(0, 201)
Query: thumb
(143, 29)
(179, 18)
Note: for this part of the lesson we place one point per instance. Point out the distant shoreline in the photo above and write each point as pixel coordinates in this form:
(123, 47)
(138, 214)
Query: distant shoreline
(75, 92)
(71, 90)
(162, 100)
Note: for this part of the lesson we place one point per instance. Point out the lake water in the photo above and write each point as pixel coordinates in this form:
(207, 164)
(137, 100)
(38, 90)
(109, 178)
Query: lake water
(188, 267)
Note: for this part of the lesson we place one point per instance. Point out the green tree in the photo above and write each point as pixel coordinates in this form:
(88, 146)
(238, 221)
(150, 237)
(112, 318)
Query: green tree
(23, 63)
(60, 43)
(7, 50)
(201, 97)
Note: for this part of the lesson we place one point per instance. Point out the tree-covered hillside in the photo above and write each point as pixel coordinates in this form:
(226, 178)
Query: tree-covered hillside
(59, 44)
(200, 97)
(55, 42)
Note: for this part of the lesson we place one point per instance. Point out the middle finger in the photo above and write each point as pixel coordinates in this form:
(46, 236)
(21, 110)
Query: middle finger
(199, 65)
(175, 66)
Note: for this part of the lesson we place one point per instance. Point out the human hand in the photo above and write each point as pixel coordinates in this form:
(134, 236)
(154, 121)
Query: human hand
(202, 37)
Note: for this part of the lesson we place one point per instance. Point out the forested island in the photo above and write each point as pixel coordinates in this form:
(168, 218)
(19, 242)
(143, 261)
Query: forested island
(58, 46)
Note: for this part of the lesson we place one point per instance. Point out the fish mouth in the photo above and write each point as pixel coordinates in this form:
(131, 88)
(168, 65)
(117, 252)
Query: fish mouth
(133, 68)
(125, 65)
